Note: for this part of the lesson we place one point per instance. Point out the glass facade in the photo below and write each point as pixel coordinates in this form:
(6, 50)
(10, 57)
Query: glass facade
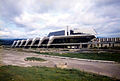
(72, 40)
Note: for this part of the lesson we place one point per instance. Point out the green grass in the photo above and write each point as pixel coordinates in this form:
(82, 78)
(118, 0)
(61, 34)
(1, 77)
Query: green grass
(15, 73)
(94, 56)
(34, 59)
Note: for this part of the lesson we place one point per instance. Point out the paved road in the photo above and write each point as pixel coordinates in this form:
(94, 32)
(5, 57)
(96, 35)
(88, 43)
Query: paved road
(10, 57)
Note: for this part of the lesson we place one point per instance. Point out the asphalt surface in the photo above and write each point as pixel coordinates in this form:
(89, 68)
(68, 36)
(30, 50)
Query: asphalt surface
(11, 57)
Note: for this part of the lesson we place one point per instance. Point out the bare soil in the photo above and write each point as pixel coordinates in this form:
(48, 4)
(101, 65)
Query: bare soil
(16, 58)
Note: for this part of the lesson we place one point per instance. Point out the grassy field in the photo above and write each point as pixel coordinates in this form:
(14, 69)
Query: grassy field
(34, 59)
(15, 73)
(94, 56)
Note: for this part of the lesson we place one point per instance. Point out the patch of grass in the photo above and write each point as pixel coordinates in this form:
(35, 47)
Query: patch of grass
(15, 73)
(94, 56)
(34, 59)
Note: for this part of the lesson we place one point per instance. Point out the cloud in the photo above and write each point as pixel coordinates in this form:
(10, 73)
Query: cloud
(29, 18)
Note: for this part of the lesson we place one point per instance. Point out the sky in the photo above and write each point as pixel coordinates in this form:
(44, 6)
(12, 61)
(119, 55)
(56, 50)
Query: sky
(36, 18)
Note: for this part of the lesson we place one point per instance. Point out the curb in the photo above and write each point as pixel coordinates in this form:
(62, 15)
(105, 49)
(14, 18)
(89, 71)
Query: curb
(89, 60)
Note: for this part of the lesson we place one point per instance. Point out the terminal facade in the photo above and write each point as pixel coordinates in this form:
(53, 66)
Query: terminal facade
(74, 39)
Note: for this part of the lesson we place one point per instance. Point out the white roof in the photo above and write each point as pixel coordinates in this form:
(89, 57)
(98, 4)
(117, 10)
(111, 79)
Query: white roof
(85, 30)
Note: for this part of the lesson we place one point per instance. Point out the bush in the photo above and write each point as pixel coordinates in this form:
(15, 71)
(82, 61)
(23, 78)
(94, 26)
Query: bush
(34, 59)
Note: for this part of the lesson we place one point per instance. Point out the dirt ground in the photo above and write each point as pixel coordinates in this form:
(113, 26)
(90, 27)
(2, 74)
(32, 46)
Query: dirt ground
(12, 57)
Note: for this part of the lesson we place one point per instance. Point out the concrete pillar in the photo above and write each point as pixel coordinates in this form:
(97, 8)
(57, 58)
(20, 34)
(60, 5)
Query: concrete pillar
(26, 42)
(22, 41)
(103, 39)
(13, 43)
(115, 39)
(41, 40)
(80, 46)
(108, 45)
(17, 43)
(103, 45)
(98, 40)
(33, 41)
(100, 45)
(51, 39)
(107, 39)
(89, 45)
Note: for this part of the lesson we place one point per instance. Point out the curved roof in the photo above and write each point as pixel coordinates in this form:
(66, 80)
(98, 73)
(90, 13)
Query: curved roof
(85, 30)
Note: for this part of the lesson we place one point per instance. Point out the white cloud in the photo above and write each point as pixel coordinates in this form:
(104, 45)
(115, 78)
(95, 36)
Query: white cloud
(4, 33)
(42, 16)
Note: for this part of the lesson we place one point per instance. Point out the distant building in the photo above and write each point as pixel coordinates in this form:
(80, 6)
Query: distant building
(105, 42)
(75, 38)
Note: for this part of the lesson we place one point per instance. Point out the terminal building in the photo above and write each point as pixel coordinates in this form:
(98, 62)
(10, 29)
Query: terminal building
(68, 38)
